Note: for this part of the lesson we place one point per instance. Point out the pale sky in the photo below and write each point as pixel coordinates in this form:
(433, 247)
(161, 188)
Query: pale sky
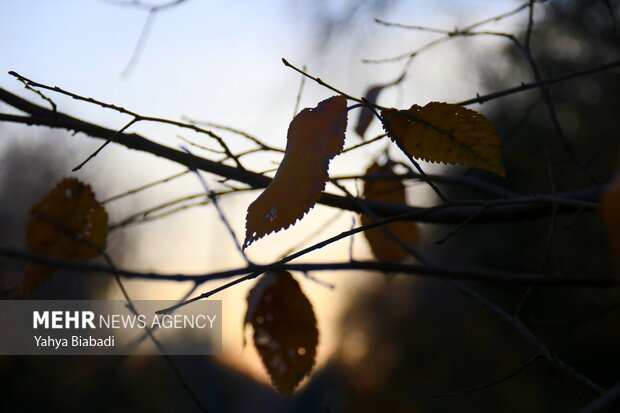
(220, 61)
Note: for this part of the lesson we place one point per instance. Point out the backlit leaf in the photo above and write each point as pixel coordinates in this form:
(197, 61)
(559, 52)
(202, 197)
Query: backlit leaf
(314, 137)
(68, 223)
(382, 245)
(443, 132)
(285, 332)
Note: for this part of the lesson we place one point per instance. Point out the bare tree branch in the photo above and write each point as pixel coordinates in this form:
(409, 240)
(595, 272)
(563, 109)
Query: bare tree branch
(527, 207)
(502, 379)
(497, 277)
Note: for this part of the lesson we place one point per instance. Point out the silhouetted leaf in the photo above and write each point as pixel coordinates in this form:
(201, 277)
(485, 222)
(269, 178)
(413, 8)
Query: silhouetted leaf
(366, 115)
(382, 245)
(315, 136)
(285, 332)
(443, 132)
(68, 223)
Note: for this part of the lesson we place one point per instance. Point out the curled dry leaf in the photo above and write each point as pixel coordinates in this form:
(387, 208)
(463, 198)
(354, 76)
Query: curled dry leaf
(285, 332)
(382, 245)
(365, 114)
(68, 223)
(314, 137)
(443, 132)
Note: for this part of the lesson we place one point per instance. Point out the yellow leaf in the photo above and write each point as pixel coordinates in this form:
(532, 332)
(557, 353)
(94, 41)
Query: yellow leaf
(443, 132)
(285, 332)
(315, 136)
(382, 245)
(68, 223)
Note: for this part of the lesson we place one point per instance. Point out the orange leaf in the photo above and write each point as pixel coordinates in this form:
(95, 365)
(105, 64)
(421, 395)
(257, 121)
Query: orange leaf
(443, 132)
(382, 245)
(68, 223)
(315, 136)
(285, 332)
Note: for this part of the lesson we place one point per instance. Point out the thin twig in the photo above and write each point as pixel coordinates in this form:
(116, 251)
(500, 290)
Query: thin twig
(136, 117)
(542, 82)
(301, 89)
(364, 143)
(152, 10)
(318, 231)
(40, 94)
(448, 35)
(602, 404)
(158, 344)
(583, 318)
(148, 214)
(213, 197)
(100, 148)
(145, 186)
(140, 44)
(321, 82)
(502, 379)
(197, 145)
(462, 225)
(529, 336)
(236, 131)
(127, 349)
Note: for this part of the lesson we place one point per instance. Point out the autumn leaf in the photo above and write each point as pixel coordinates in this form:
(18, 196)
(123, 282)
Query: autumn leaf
(366, 115)
(443, 132)
(285, 332)
(68, 223)
(382, 245)
(314, 137)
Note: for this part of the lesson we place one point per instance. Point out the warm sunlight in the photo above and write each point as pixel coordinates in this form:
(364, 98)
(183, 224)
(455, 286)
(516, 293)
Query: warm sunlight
(401, 205)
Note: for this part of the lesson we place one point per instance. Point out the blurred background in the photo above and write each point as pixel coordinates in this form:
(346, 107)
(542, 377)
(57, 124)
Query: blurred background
(385, 345)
